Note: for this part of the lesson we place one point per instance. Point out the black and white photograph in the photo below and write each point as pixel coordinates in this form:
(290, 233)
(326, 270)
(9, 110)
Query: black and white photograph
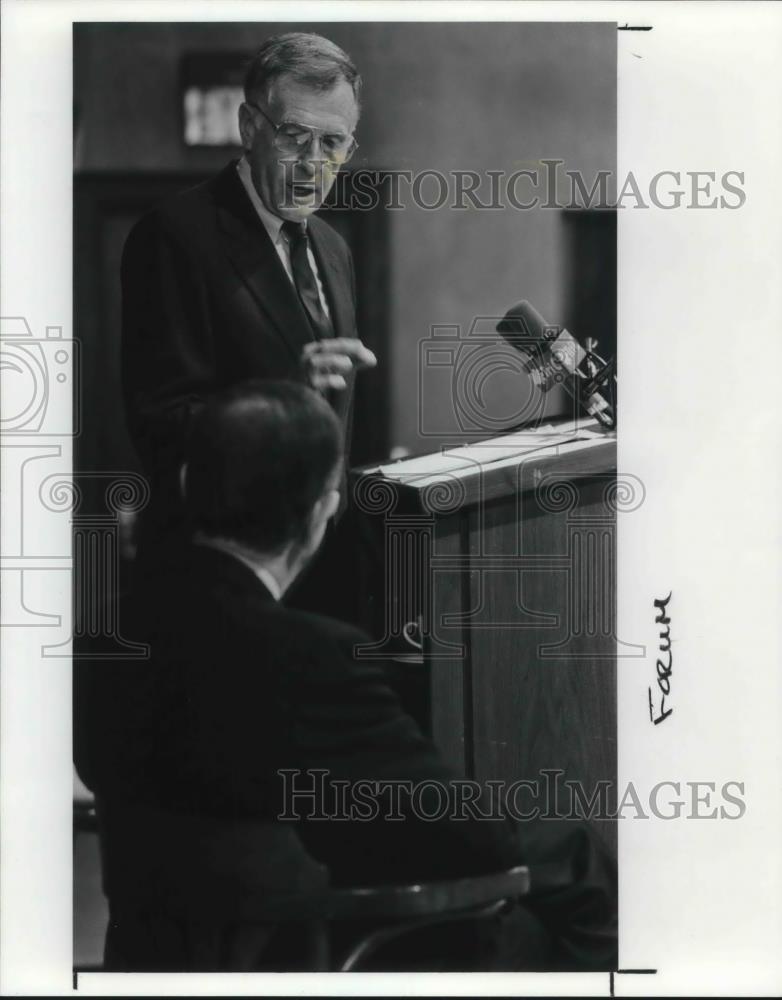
(390, 459)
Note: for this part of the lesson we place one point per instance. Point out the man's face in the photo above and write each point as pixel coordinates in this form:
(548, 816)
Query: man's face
(294, 185)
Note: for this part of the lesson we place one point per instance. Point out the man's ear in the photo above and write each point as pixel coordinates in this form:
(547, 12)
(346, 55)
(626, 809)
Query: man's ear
(331, 504)
(323, 510)
(183, 480)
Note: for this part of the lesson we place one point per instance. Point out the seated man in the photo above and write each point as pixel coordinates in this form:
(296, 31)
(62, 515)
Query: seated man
(249, 710)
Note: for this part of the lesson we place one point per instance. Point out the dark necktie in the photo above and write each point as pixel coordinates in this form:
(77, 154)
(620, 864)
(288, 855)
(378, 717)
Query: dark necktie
(304, 279)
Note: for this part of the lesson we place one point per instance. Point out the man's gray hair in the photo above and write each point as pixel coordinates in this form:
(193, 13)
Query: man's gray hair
(308, 58)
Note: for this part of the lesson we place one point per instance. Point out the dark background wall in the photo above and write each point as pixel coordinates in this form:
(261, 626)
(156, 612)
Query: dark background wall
(449, 97)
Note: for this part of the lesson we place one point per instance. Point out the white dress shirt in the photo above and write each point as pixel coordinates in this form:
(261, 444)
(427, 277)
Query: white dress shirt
(273, 226)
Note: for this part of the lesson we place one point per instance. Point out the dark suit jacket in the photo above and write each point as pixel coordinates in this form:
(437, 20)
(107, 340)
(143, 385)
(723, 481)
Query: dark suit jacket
(240, 687)
(206, 303)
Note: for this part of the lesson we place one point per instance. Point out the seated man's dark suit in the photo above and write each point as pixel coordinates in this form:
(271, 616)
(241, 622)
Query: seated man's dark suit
(206, 303)
(240, 687)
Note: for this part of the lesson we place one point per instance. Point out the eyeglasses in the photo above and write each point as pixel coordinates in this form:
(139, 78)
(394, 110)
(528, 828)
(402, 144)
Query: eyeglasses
(293, 138)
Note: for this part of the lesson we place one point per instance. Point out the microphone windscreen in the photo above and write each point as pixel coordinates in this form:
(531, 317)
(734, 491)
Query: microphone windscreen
(522, 322)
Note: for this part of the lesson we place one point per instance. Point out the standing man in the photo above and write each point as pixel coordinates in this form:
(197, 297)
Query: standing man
(236, 278)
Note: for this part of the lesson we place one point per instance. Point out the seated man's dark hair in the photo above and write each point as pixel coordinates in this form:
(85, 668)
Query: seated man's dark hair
(260, 455)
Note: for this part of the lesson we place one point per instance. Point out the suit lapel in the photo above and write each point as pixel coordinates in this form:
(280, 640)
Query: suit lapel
(254, 257)
(335, 280)
(339, 293)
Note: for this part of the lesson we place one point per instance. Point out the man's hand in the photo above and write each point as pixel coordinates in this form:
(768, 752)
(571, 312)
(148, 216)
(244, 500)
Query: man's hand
(328, 362)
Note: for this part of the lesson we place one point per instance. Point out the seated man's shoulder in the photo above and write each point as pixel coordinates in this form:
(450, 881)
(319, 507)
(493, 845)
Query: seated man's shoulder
(322, 637)
(313, 649)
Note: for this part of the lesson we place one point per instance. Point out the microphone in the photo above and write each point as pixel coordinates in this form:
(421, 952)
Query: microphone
(552, 356)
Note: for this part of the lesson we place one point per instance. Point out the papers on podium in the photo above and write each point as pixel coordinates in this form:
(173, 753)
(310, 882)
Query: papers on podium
(507, 448)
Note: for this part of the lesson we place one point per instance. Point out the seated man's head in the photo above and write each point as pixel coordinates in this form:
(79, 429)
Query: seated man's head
(263, 471)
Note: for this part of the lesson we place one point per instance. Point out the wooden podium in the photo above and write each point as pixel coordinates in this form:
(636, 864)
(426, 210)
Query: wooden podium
(503, 569)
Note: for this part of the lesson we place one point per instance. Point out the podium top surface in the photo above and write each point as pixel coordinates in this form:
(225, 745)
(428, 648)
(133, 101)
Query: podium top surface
(497, 467)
